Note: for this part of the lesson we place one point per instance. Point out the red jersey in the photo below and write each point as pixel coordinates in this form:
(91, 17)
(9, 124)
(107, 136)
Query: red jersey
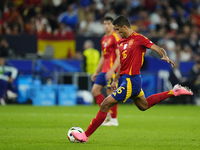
(132, 50)
(108, 47)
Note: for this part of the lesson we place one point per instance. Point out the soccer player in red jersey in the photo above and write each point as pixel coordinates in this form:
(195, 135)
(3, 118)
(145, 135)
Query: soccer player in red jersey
(106, 69)
(132, 48)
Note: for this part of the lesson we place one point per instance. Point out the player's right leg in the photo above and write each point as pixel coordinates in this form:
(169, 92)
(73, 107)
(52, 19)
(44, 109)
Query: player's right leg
(111, 119)
(97, 121)
(144, 103)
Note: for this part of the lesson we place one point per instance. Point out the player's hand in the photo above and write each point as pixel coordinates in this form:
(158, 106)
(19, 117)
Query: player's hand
(113, 85)
(109, 74)
(94, 76)
(168, 60)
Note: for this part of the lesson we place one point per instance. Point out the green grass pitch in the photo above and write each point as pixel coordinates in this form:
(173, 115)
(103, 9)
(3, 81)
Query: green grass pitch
(162, 127)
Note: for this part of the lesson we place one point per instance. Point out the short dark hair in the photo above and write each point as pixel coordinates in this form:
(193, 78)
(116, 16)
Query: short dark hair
(108, 18)
(122, 20)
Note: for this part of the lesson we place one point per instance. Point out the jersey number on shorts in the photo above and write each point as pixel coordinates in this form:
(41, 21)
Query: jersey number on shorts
(119, 91)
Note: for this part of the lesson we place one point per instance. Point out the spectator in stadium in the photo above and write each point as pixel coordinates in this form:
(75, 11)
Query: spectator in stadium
(50, 11)
(173, 27)
(84, 12)
(86, 27)
(29, 10)
(182, 16)
(15, 30)
(111, 13)
(91, 57)
(63, 31)
(5, 49)
(195, 16)
(12, 16)
(44, 32)
(107, 5)
(194, 80)
(42, 23)
(6, 29)
(168, 41)
(30, 27)
(63, 5)
(193, 41)
(176, 76)
(69, 17)
(1, 18)
(6, 79)
(90, 27)
(186, 54)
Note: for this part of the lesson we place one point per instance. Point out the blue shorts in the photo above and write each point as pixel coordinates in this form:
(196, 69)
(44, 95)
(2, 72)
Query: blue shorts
(101, 80)
(131, 86)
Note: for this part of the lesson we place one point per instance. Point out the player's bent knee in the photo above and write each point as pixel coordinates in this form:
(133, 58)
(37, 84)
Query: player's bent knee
(108, 103)
(105, 106)
(143, 108)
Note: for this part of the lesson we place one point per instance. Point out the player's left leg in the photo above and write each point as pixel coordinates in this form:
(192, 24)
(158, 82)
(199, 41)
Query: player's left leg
(97, 87)
(144, 103)
(97, 121)
(111, 119)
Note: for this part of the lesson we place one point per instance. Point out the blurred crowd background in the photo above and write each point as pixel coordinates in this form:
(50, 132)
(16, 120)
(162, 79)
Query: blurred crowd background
(175, 23)
(171, 24)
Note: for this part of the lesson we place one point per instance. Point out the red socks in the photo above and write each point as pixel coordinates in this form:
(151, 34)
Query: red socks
(156, 98)
(113, 111)
(96, 122)
(99, 99)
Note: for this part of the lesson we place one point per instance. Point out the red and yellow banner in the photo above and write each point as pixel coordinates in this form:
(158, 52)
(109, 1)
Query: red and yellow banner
(62, 47)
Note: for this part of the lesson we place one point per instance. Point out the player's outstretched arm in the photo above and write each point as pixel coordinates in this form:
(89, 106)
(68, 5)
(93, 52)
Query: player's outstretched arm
(99, 67)
(162, 53)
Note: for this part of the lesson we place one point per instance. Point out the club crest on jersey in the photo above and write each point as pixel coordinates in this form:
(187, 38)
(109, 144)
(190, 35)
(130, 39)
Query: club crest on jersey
(121, 44)
(125, 46)
(131, 42)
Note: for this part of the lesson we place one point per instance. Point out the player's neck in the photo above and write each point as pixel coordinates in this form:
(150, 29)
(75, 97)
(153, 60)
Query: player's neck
(129, 32)
(109, 32)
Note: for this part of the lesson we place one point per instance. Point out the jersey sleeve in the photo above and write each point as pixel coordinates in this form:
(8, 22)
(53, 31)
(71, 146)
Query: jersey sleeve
(116, 39)
(116, 43)
(144, 41)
